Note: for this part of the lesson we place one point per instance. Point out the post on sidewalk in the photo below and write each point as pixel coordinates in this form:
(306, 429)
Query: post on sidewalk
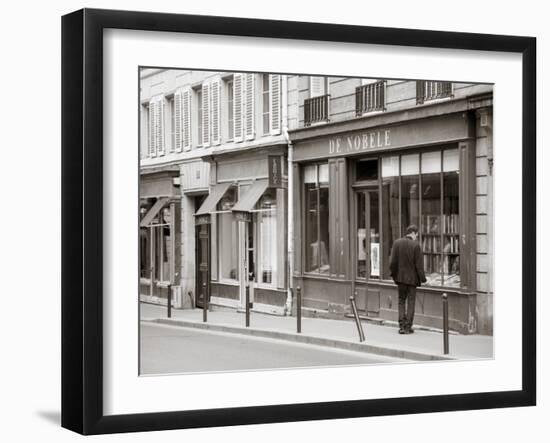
(169, 300)
(204, 304)
(356, 316)
(445, 323)
(298, 309)
(247, 302)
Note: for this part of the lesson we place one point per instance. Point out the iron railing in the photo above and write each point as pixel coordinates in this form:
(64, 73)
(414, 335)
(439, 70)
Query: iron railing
(316, 109)
(370, 97)
(431, 90)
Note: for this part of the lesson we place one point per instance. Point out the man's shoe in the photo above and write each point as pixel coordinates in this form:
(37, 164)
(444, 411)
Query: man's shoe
(409, 331)
(402, 331)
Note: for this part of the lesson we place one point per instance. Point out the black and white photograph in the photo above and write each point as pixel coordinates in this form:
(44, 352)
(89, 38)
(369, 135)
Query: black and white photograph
(299, 220)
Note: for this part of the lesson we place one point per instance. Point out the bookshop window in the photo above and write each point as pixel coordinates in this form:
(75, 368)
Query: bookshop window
(316, 218)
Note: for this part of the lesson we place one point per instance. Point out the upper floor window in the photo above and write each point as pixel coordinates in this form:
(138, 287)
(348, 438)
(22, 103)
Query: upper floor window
(316, 107)
(172, 123)
(431, 90)
(370, 96)
(230, 114)
(199, 117)
(265, 104)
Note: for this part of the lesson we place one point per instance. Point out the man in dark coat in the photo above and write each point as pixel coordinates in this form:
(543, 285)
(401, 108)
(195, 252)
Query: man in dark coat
(407, 271)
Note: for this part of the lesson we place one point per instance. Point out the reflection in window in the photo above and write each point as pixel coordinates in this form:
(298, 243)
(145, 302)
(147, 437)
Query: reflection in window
(316, 219)
(390, 210)
(267, 218)
(227, 236)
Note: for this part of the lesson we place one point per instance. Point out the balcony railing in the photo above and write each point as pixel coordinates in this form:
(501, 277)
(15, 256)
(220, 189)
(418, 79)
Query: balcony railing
(316, 110)
(370, 97)
(431, 90)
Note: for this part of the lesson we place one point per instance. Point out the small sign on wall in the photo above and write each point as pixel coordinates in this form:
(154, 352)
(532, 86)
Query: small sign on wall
(275, 171)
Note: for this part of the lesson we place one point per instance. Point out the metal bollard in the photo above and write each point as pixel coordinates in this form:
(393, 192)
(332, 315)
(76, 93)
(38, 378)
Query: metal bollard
(298, 309)
(204, 304)
(445, 323)
(169, 301)
(356, 316)
(247, 301)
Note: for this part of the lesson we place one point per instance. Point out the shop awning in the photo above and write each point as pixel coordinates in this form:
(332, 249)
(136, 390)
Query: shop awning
(217, 192)
(148, 218)
(247, 203)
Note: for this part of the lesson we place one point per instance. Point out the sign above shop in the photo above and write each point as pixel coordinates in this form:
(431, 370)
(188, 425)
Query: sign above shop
(275, 171)
(359, 142)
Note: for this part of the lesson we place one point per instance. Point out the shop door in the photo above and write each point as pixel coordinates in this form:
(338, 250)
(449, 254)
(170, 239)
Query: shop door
(247, 255)
(367, 255)
(202, 259)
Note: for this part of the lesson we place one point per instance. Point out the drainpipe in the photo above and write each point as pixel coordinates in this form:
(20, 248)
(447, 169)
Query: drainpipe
(290, 196)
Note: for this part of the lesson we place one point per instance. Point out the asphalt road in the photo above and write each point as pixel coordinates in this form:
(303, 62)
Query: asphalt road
(169, 349)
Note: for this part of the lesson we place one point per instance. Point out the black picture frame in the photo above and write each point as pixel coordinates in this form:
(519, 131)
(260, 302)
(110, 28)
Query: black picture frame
(82, 231)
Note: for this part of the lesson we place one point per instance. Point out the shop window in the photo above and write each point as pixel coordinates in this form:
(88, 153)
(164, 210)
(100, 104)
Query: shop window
(155, 247)
(390, 210)
(228, 236)
(316, 219)
(267, 221)
(424, 190)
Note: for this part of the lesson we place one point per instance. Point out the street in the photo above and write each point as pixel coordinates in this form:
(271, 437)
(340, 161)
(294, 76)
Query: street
(168, 349)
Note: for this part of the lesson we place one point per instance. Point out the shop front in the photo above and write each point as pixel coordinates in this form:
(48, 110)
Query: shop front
(243, 220)
(159, 238)
(358, 186)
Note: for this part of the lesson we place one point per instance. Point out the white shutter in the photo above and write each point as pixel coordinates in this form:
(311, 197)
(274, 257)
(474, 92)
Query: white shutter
(186, 119)
(215, 111)
(317, 86)
(160, 126)
(238, 107)
(206, 114)
(249, 107)
(178, 121)
(275, 104)
(152, 129)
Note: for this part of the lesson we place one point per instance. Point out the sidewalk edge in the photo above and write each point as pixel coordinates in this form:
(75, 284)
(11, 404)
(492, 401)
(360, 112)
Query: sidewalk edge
(304, 339)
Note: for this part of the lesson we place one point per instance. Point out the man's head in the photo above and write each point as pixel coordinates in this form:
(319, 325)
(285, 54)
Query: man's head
(412, 232)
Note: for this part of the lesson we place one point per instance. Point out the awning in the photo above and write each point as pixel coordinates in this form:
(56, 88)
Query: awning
(159, 204)
(209, 205)
(253, 194)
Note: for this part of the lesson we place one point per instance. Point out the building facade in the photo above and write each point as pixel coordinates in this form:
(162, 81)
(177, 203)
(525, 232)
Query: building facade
(263, 183)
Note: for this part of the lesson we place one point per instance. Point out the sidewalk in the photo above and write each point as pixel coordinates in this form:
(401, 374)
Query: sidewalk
(382, 340)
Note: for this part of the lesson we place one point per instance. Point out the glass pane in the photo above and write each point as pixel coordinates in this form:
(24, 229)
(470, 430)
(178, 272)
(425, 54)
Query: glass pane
(361, 237)
(410, 199)
(323, 173)
(451, 230)
(374, 234)
(312, 210)
(431, 162)
(310, 174)
(450, 160)
(431, 227)
(268, 237)
(390, 219)
(410, 164)
(324, 266)
(227, 238)
(366, 170)
(390, 166)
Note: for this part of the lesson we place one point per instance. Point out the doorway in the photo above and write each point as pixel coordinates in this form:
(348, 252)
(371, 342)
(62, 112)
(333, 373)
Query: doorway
(202, 259)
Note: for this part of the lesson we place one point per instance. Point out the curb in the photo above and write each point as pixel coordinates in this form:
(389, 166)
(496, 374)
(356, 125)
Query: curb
(305, 339)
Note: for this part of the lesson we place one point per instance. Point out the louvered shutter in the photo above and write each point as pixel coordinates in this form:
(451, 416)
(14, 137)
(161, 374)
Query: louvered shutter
(275, 104)
(215, 111)
(152, 129)
(186, 119)
(178, 129)
(249, 107)
(317, 86)
(206, 114)
(238, 107)
(160, 126)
